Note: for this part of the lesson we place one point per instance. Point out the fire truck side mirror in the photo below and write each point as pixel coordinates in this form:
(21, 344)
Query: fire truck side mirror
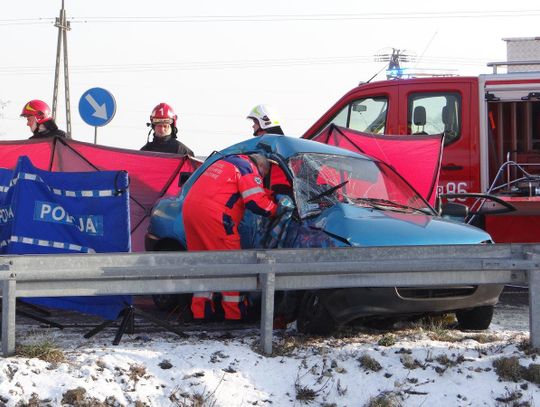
(483, 204)
(454, 209)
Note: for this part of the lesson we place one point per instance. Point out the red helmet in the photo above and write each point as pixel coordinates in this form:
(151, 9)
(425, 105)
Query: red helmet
(163, 113)
(39, 109)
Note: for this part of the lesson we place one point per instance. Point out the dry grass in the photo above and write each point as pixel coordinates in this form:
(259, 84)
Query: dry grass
(409, 362)
(444, 360)
(482, 338)
(387, 340)
(74, 396)
(385, 399)
(287, 345)
(526, 347)
(369, 363)
(136, 372)
(508, 369)
(532, 373)
(181, 398)
(305, 394)
(45, 350)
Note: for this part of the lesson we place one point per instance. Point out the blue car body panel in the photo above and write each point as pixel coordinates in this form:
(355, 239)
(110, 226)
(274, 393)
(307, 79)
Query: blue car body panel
(372, 227)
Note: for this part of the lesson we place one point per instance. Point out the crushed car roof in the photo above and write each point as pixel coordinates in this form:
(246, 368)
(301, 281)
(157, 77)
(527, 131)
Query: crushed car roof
(286, 147)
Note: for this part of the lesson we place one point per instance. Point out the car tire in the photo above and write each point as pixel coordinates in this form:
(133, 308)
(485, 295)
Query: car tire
(170, 302)
(313, 317)
(167, 302)
(476, 318)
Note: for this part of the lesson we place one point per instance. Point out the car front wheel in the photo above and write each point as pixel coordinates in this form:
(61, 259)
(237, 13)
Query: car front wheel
(476, 318)
(170, 302)
(167, 302)
(313, 316)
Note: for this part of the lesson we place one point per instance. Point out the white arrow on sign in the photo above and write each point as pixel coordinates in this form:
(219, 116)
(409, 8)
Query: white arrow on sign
(100, 110)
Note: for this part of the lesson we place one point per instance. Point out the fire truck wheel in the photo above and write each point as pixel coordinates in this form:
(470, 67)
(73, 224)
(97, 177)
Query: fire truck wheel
(313, 317)
(476, 318)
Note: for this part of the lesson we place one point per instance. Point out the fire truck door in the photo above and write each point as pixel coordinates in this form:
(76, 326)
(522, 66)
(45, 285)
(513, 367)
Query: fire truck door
(369, 109)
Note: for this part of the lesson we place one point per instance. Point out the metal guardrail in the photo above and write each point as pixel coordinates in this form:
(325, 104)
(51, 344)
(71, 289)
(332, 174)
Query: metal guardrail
(266, 271)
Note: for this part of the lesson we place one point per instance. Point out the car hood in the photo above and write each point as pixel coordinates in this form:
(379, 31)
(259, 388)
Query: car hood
(372, 227)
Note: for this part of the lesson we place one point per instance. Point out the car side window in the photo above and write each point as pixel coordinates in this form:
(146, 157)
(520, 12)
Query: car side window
(367, 115)
(435, 113)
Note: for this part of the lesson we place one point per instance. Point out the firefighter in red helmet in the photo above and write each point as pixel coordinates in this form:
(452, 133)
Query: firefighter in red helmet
(163, 122)
(40, 121)
(212, 211)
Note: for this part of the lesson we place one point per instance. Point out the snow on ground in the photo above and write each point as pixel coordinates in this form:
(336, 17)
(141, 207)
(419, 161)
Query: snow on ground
(410, 365)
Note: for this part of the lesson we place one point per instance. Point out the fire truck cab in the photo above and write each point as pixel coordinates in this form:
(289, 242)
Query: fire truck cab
(491, 127)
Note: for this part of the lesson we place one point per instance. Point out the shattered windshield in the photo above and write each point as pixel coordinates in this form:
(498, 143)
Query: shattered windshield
(324, 180)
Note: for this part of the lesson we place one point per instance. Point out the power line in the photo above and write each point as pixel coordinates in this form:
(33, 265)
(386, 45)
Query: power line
(18, 23)
(308, 17)
(281, 17)
(232, 64)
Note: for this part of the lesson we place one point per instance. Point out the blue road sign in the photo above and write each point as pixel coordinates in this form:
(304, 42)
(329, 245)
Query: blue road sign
(97, 107)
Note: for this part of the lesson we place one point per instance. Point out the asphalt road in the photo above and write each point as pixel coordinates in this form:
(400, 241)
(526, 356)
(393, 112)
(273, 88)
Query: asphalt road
(512, 311)
(514, 296)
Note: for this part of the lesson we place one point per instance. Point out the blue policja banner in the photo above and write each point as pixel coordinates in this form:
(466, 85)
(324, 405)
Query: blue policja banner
(45, 212)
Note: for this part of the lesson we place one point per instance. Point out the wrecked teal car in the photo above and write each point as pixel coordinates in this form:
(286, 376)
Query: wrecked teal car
(341, 199)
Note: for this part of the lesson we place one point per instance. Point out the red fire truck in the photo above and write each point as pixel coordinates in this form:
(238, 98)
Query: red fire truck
(491, 127)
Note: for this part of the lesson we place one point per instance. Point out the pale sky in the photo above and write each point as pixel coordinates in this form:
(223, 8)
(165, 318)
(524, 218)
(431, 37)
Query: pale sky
(214, 60)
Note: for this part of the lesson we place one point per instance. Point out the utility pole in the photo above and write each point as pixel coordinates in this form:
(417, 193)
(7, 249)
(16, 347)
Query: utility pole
(63, 27)
(394, 59)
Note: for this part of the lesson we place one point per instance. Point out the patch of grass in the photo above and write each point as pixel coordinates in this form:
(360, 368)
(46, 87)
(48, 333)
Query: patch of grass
(181, 398)
(136, 372)
(74, 396)
(100, 363)
(288, 345)
(33, 402)
(510, 397)
(387, 340)
(437, 328)
(409, 362)
(439, 333)
(444, 360)
(508, 369)
(369, 363)
(45, 350)
(526, 347)
(532, 373)
(482, 338)
(305, 394)
(385, 399)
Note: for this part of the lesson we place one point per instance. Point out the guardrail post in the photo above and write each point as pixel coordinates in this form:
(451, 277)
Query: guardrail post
(534, 307)
(8, 316)
(268, 285)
